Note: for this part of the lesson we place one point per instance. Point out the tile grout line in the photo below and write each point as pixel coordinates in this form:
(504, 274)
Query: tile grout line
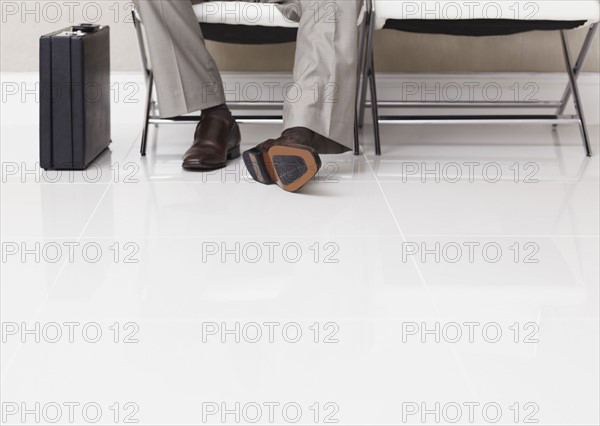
(457, 357)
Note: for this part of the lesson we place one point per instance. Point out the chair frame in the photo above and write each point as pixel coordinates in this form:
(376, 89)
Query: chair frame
(151, 111)
(559, 117)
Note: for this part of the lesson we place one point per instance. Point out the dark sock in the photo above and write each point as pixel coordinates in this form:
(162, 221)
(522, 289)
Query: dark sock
(219, 110)
(300, 135)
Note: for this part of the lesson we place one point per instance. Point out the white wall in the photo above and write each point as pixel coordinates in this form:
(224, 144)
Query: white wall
(23, 21)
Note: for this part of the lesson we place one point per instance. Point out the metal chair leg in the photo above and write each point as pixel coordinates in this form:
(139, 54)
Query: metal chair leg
(356, 134)
(149, 77)
(150, 83)
(360, 82)
(585, 48)
(361, 49)
(369, 76)
(140, 37)
(364, 56)
(576, 96)
(374, 105)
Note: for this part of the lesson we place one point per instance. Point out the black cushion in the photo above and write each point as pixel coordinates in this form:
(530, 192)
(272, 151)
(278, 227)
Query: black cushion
(248, 34)
(478, 27)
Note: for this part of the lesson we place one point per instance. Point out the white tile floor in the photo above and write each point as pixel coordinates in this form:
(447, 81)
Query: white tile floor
(488, 235)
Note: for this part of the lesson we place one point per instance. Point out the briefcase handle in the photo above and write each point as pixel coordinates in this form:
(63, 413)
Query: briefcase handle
(86, 28)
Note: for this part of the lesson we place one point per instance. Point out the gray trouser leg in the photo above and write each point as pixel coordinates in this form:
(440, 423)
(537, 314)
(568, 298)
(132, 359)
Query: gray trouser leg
(187, 78)
(324, 95)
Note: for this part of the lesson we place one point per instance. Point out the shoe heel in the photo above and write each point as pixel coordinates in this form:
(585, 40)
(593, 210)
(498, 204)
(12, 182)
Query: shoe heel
(234, 153)
(294, 166)
(255, 163)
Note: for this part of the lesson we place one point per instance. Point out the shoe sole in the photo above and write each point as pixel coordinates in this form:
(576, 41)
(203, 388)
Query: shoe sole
(289, 167)
(255, 163)
(232, 154)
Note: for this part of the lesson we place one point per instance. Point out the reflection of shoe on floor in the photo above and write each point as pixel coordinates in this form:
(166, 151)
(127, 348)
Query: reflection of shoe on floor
(216, 140)
(283, 161)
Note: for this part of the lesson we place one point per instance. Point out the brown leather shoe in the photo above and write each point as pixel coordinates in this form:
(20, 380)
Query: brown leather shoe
(216, 140)
(282, 161)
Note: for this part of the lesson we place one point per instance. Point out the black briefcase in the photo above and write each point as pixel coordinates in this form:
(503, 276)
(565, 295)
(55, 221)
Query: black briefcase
(74, 96)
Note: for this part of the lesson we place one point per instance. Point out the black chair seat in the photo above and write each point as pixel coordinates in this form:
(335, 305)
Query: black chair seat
(478, 27)
(245, 34)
